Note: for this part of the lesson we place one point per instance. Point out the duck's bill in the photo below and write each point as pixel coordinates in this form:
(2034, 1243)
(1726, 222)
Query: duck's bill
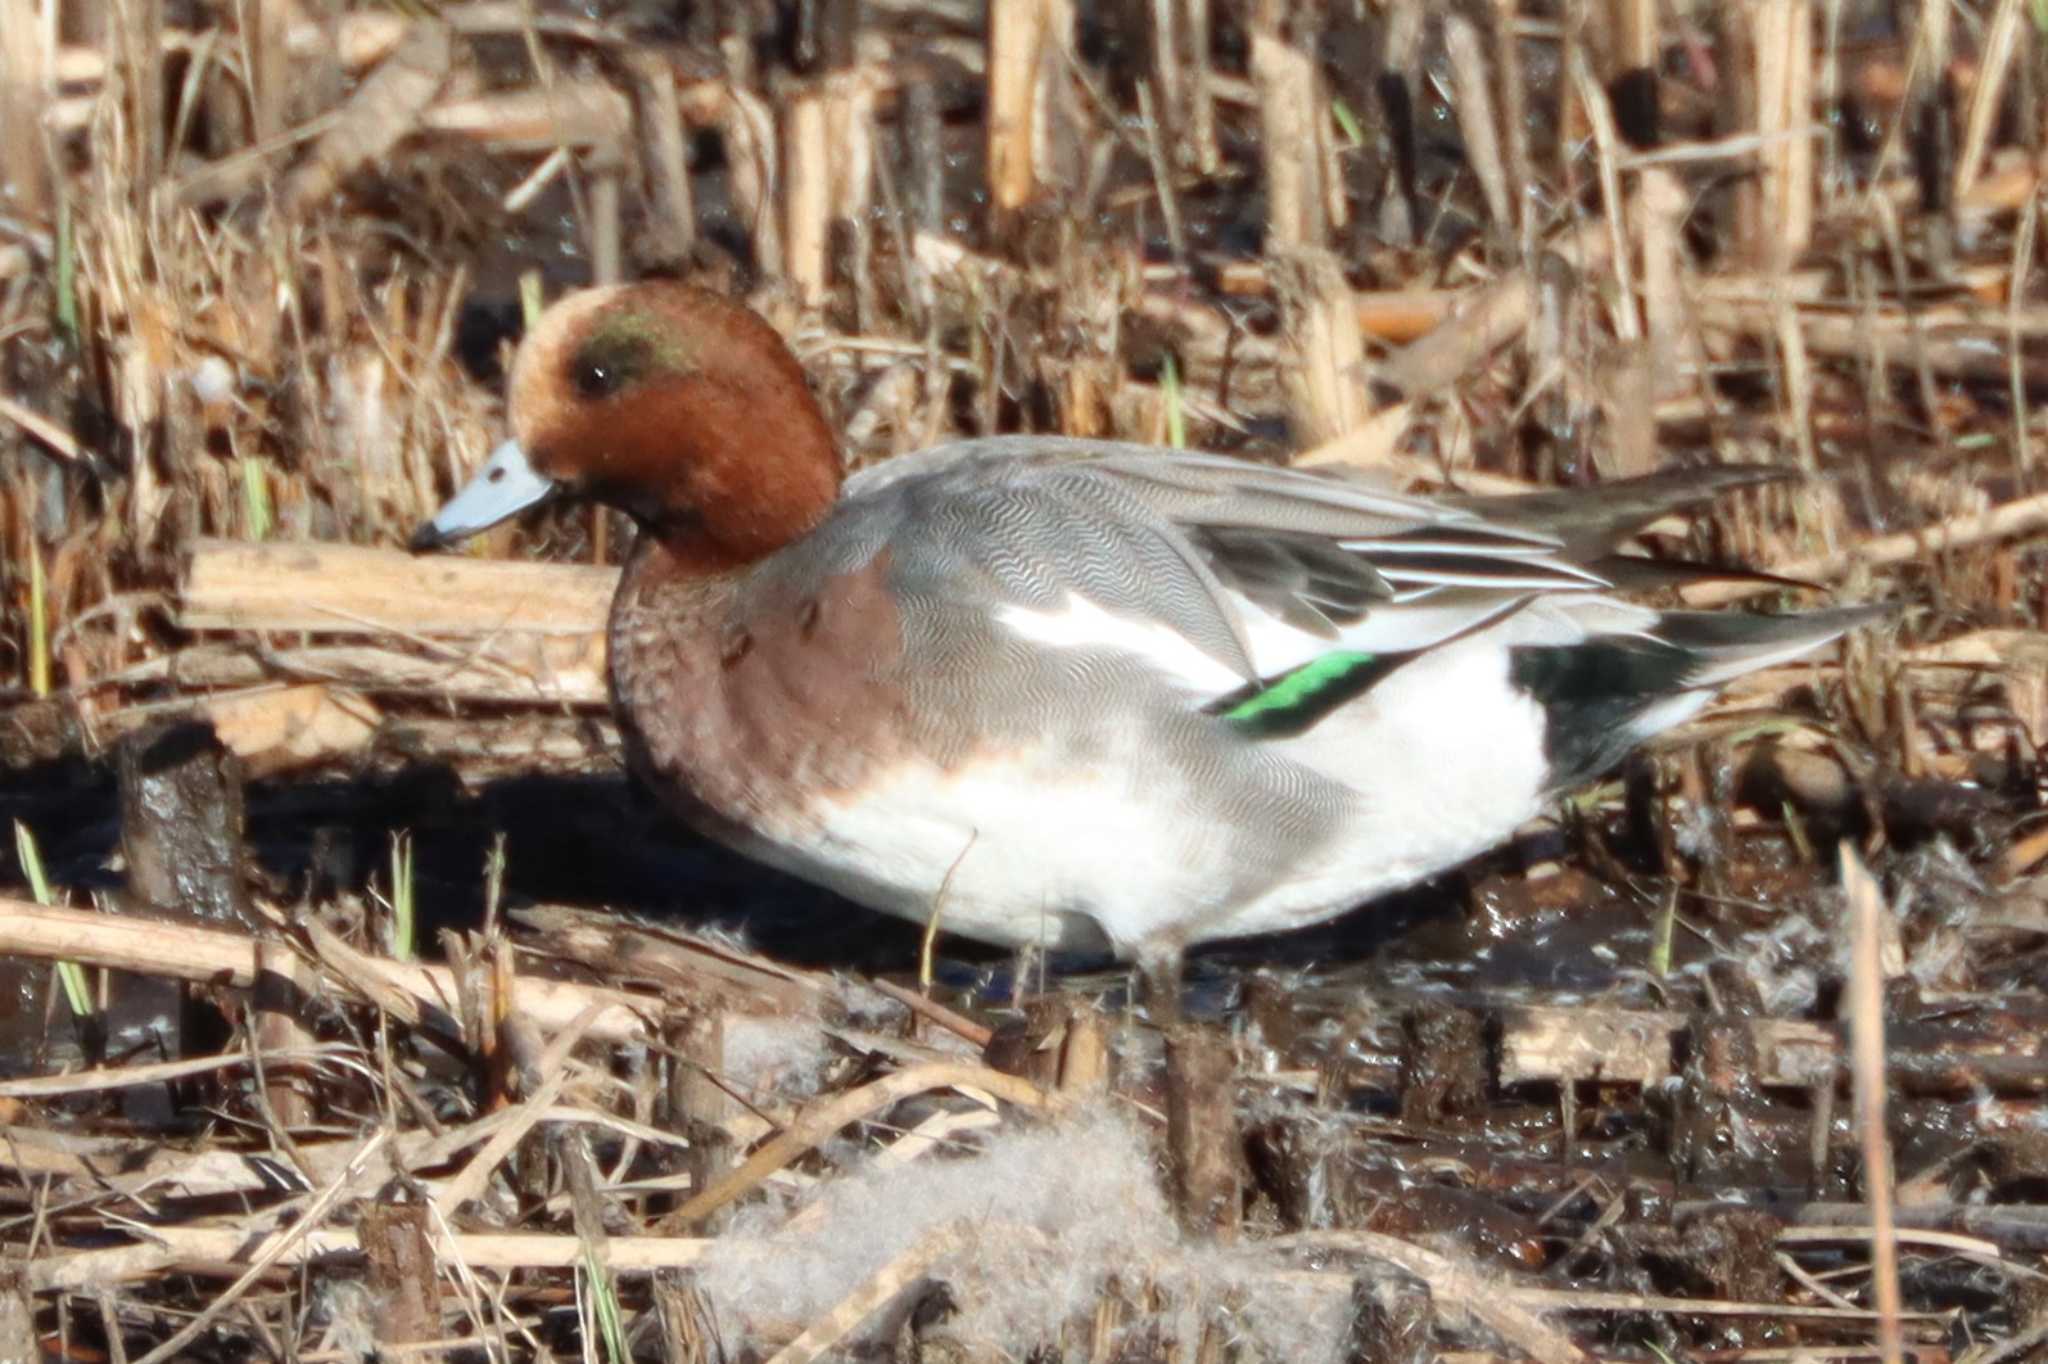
(505, 486)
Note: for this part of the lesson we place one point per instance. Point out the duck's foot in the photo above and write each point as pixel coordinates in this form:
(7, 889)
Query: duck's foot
(1155, 986)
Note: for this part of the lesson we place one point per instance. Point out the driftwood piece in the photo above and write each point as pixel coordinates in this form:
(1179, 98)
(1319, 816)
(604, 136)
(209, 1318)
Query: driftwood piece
(404, 1285)
(279, 728)
(478, 629)
(1202, 1138)
(347, 589)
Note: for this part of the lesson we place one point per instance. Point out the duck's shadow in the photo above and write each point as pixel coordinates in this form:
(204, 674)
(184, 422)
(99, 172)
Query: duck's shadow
(584, 840)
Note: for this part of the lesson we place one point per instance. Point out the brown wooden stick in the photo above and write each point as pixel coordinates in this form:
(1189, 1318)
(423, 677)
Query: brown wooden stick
(210, 955)
(323, 588)
(230, 1246)
(1492, 317)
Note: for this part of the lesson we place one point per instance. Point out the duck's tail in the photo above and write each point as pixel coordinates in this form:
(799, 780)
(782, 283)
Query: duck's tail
(1604, 696)
(1726, 644)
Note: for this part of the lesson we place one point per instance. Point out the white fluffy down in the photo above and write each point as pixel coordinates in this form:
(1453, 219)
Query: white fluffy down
(1085, 1187)
(1049, 1213)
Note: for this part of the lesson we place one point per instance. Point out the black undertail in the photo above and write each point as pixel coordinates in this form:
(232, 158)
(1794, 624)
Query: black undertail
(1593, 692)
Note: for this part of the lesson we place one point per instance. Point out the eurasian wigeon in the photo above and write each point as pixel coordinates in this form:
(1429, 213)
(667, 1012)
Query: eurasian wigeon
(1082, 693)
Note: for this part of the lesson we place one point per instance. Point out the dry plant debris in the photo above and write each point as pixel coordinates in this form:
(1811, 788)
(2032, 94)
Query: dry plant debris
(348, 1010)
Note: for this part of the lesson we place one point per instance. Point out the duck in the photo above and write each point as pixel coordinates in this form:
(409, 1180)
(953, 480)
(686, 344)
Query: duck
(1080, 694)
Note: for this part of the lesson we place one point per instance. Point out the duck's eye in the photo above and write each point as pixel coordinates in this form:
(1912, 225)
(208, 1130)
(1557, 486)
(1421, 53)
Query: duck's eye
(595, 379)
(609, 362)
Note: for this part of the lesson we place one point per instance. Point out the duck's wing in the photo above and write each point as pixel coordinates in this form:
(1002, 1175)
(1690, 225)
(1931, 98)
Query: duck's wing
(1256, 569)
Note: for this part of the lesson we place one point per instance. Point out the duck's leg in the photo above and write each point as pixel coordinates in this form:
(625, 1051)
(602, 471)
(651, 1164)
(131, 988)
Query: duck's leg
(1155, 984)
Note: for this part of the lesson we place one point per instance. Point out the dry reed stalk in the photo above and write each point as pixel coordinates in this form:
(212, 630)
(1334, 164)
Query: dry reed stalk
(212, 956)
(851, 97)
(807, 194)
(659, 115)
(1767, 45)
(1632, 39)
(1169, 73)
(1197, 128)
(266, 56)
(818, 1124)
(604, 233)
(1865, 1003)
(569, 113)
(1607, 144)
(385, 109)
(272, 1250)
(1882, 339)
(565, 670)
(747, 127)
(2001, 41)
(281, 993)
(1017, 34)
(230, 1246)
(1521, 172)
(1292, 131)
(699, 1105)
(1327, 395)
(1659, 217)
(1789, 158)
(1479, 123)
(885, 1284)
(1460, 1290)
(2021, 517)
(25, 89)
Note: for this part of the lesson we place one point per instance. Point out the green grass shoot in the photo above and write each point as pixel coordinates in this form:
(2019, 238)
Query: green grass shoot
(1667, 932)
(531, 300)
(1176, 414)
(256, 508)
(67, 273)
(1354, 131)
(403, 926)
(604, 1303)
(77, 991)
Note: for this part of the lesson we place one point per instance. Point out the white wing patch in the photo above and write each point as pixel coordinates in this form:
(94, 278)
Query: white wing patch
(1078, 623)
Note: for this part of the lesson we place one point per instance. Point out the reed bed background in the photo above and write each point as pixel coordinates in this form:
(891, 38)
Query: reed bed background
(319, 1043)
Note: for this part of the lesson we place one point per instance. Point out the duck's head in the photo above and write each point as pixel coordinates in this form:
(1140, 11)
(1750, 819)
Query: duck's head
(681, 408)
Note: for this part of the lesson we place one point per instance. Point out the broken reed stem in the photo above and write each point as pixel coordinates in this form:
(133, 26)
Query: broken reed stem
(1327, 390)
(25, 88)
(806, 196)
(507, 1250)
(1479, 122)
(1290, 117)
(660, 120)
(1994, 63)
(1016, 45)
(1867, 1030)
(1507, 56)
(1607, 140)
(1659, 215)
(273, 1250)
